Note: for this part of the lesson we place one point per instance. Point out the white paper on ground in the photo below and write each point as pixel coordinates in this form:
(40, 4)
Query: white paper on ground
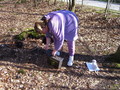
(92, 67)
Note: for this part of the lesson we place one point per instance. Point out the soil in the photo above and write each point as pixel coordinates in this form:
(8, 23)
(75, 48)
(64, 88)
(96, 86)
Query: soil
(26, 68)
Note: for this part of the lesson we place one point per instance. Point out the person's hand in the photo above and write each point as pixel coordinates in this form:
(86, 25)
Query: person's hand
(46, 47)
(54, 52)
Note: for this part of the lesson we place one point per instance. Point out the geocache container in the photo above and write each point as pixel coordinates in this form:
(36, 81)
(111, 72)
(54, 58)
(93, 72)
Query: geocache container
(56, 61)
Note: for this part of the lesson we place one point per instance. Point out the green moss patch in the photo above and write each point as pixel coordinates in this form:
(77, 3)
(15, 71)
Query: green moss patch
(111, 65)
(30, 33)
(21, 71)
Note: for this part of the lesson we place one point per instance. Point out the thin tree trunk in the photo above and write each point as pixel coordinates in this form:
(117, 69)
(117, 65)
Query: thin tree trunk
(82, 4)
(55, 1)
(107, 8)
(115, 57)
(70, 5)
(67, 3)
(35, 3)
(73, 6)
(48, 2)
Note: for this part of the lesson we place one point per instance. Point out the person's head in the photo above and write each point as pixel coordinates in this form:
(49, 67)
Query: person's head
(44, 19)
(40, 27)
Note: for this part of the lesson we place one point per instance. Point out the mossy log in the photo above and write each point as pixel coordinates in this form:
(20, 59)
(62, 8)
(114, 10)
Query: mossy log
(28, 34)
(34, 35)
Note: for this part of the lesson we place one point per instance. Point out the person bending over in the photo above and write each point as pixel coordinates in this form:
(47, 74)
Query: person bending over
(60, 25)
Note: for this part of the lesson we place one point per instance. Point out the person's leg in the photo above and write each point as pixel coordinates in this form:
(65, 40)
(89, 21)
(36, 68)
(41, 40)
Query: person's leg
(71, 49)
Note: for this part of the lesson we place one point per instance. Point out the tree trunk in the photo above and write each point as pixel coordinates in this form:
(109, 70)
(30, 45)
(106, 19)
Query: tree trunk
(35, 3)
(107, 8)
(115, 57)
(48, 2)
(55, 1)
(70, 5)
(73, 6)
(82, 4)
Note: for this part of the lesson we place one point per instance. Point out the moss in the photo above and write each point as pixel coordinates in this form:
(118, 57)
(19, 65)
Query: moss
(1, 0)
(19, 37)
(21, 71)
(115, 86)
(24, 34)
(30, 33)
(117, 65)
(1, 6)
(56, 9)
(111, 65)
(12, 29)
(99, 11)
(21, 1)
(33, 34)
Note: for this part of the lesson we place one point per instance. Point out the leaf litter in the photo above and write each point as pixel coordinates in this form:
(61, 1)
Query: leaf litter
(27, 68)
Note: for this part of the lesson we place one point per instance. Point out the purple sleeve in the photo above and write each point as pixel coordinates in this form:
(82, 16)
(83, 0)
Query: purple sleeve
(57, 29)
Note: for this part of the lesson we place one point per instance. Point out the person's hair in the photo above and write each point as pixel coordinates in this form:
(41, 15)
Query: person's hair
(44, 20)
(38, 26)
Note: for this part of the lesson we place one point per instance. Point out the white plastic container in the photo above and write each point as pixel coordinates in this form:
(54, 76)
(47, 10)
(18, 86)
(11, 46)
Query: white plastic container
(92, 66)
(95, 66)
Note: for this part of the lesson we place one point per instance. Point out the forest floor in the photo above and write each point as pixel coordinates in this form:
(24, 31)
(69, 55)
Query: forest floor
(27, 68)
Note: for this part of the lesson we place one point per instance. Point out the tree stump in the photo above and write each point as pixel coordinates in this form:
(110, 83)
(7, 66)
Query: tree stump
(115, 57)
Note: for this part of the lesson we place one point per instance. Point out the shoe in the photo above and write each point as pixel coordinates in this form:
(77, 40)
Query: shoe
(70, 62)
